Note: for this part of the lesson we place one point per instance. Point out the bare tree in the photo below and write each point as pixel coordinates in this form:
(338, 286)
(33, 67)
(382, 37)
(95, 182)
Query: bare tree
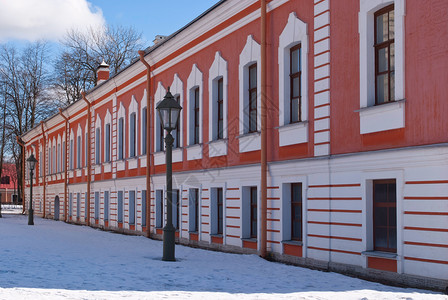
(75, 68)
(24, 93)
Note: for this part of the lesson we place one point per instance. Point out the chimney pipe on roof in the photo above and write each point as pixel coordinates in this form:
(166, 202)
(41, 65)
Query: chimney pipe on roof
(102, 73)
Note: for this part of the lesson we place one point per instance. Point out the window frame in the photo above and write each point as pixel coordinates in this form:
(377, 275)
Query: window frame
(253, 205)
(385, 204)
(121, 140)
(133, 134)
(292, 76)
(219, 211)
(300, 205)
(196, 116)
(384, 45)
(252, 91)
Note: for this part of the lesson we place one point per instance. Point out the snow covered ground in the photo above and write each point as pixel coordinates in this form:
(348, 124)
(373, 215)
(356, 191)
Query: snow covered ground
(54, 260)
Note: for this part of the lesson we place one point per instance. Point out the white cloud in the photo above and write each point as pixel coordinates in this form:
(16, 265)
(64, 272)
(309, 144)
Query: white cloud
(45, 19)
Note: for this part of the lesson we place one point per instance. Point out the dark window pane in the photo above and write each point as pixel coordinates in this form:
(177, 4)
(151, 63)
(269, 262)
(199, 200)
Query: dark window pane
(380, 192)
(392, 192)
(382, 33)
(391, 25)
(383, 58)
(380, 216)
(393, 238)
(393, 217)
(295, 89)
(295, 60)
(295, 110)
(382, 88)
(253, 76)
(380, 237)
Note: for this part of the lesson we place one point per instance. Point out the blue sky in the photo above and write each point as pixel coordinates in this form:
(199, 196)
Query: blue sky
(30, 20)
(152, 17)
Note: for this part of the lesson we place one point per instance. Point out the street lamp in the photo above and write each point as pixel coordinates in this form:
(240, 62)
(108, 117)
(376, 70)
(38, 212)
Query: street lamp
(169, 111)
(31, 165)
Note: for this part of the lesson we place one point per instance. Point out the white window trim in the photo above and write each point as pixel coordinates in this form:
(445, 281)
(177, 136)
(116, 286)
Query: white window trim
(194, 81)
(294, 33)
(78, 147)
(98, 126)
(250, 54)
(121, 114)
(108, 120)
(217, 71)
(143, 106)
(158, 97)
(133, 108)
(194, 151)
(370, 121)
(367, 179)
(177, 89)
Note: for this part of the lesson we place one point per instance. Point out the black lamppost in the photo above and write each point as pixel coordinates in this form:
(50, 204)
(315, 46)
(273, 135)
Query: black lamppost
(31, 165)
(169, 111)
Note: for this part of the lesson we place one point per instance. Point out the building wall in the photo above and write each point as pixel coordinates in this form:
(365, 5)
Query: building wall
(329, 154)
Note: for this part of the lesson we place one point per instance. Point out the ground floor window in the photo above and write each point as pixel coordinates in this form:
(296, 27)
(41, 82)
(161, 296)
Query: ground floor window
(132, 207)
(144, 208)
(253, 212)
(296, 211)
(176, 209)
(194, 210)
(159, 209)
(120, 206)
(78, 205)
(97, 205)
(385, 215)
(106, 206)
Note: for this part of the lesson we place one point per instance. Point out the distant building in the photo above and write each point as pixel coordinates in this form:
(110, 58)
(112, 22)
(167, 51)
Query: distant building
(357, 133)
(8, 184)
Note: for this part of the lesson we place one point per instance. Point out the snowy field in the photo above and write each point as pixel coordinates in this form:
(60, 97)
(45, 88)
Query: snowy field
(54, 260)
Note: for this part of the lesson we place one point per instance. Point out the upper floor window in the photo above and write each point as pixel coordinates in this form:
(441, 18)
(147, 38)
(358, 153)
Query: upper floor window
(384, 55)
(59, 157)
(86, 149)
(220, 110)
(176, 132)
(253, 98)
(72, 149)
(79, 152)
(54, 159)
(132, 135)
(121, 138)
(144, 129)
(97, 145)
(107, 142)
(195, 113)
(295, 81)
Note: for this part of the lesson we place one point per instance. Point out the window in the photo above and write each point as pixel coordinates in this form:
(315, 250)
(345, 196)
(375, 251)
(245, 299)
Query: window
(85, 198)
(253, 98)
(120, 206)
(79, 152)
(131, 207)
(218, 106)
(97, 146)
(49, 160)
(161, 134)
(385, 215)
(78, 205)
(97, 205)
(121, 138)
(384, 55)
(295, 82)
(132, 135)
(220, 110)
(59, 157)
(144, 208)
(64, 149)
(71, 154)
(107, 143)
(106, 205)
(217, 211)
(144, 128)
(253, 212)
(40, 163)
(86, 149)
(54, 159)
(195, 114)
(176, 209)
(70, 205)
(382, 65)
(194, 210)
(159, 209)
(176, 133)
(296, 211)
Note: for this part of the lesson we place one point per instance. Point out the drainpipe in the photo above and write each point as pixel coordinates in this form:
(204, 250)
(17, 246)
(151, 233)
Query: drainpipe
(89, 150)
(263, 220)
(148, 142)
(44, 164)
(19, 141)
(65, 162)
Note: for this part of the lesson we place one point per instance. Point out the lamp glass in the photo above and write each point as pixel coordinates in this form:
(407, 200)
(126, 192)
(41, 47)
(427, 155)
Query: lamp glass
(31, 162)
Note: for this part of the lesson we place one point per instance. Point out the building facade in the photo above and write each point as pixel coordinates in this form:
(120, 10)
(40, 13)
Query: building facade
(356, 138)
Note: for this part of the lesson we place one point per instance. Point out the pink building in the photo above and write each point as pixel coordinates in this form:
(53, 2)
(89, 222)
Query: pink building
(355, 140)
